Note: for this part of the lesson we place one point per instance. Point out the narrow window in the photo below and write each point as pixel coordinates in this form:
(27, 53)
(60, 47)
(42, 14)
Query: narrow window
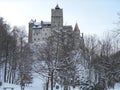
(45, 33)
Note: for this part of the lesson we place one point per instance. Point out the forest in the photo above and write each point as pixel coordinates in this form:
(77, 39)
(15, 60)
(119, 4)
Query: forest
(93, 65)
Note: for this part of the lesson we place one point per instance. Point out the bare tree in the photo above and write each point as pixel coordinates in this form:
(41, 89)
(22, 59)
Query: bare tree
(54, 59)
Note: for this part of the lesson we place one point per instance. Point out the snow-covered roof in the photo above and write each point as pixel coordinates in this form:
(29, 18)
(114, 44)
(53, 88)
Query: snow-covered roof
(31, 21)
(37, 23)
(37, 27)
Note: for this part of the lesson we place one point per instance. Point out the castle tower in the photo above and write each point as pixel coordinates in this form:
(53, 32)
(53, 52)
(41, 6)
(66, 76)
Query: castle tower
(57, 17)
(31, 23)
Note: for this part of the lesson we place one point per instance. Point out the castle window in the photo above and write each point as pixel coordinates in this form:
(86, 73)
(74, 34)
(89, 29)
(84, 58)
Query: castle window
(45, 33)
(34, 39)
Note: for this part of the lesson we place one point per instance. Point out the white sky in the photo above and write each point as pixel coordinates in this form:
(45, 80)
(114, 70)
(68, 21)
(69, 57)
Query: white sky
(92, 16)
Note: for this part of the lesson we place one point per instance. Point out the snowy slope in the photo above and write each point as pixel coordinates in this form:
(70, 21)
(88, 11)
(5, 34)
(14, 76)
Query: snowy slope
(38, 85)
(117, 87)
(9, 86)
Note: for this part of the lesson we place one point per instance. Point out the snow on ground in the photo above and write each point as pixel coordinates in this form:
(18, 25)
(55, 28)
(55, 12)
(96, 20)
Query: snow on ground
(9, 86)
(39, 84)
(117, 87)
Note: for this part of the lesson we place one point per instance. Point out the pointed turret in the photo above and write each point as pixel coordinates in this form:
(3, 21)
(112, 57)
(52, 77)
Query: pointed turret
(76, 29)
(57, 7)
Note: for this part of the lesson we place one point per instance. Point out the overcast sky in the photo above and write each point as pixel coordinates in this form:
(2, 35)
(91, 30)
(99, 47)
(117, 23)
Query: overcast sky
(92, 16)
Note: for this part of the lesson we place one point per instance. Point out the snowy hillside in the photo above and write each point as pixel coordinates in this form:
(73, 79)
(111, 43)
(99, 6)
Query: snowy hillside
(38, 84)
(117, 87)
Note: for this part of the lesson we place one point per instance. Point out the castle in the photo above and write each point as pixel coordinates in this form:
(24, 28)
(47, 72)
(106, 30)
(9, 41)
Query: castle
(40, 31)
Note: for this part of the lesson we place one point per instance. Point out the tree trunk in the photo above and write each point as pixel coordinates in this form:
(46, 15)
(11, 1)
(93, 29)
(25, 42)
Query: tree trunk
(47, 84)
(65, 87)
(22, 87)
(65, 84)
(52, 80)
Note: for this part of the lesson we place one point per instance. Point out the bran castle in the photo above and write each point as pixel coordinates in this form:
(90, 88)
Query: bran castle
(40, 31)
